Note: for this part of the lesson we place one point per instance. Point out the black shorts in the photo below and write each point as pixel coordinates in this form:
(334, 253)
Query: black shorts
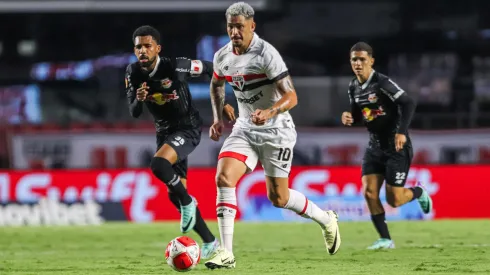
(183, 142)
(394, 166)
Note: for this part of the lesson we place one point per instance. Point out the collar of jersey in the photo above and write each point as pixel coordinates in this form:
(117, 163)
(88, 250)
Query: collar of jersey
(156, 67)
(254, 40)
(365, 84)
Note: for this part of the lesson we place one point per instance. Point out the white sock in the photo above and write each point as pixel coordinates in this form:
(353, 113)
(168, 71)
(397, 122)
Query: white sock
(226, 208)
(300, 204)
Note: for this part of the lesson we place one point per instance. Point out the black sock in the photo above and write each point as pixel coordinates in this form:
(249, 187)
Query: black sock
(381, 226)
(164, 171)
(202, 229)
(174, 199)
(417, 192)
(180, 192)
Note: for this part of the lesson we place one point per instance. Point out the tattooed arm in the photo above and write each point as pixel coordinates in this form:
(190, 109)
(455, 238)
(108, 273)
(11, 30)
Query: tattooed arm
(288, 99)
(217, 90)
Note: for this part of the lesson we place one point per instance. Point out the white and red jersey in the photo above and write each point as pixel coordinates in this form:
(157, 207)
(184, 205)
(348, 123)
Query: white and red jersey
(252, 76)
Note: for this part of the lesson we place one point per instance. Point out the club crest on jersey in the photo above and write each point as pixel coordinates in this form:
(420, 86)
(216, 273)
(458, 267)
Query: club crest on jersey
(372, 98)
(239, 81)
(166, 83)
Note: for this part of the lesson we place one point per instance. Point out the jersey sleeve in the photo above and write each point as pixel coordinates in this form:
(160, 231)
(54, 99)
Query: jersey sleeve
(391, 89)
(274, 65)
(135, 107)
(187, 67)
(354, 108)
(216, 69)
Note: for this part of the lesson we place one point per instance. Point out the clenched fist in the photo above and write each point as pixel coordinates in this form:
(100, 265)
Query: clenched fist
(142, 92)
(347, 119)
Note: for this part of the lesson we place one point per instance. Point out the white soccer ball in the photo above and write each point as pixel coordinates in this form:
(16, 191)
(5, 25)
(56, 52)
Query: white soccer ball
(182, 254)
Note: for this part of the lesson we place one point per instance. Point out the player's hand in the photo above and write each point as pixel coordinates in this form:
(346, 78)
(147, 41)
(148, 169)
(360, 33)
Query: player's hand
(216, 130)
(347, 119)
(400, 140)
(142, 92)
(259, 117)
(229, 112)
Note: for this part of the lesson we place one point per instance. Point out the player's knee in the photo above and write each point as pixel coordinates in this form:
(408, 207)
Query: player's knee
(224, 180)
(278, 200)
(162, 169)
(371, 195)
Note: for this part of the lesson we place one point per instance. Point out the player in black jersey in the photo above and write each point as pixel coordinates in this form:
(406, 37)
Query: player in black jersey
(160, 83)
(386, 111)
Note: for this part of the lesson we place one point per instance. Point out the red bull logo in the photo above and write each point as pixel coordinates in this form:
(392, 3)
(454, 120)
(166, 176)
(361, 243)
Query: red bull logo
(371, 114)
(161, 99)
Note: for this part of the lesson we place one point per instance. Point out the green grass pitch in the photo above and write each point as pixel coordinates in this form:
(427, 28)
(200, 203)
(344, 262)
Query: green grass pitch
(423, 247)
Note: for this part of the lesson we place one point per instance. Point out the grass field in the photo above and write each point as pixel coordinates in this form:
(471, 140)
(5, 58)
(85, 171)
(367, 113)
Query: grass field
(444, 247)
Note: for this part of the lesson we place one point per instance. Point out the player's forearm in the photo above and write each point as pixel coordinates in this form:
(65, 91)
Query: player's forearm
(207, 68)
(407, 107)
(217, 91)
(286, 103)
(135, 107)
(356, 113)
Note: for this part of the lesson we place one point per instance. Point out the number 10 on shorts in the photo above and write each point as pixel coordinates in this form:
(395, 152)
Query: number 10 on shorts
(284, 154)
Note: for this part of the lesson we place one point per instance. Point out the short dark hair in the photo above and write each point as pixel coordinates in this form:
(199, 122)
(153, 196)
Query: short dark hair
(147, 30)
(362, 46)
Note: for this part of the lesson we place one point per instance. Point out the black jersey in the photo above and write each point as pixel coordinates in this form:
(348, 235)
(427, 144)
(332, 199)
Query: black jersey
(169, 99)
(383, 106)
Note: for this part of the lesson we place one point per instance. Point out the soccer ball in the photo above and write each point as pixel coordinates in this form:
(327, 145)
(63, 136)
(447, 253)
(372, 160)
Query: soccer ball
(182, 254)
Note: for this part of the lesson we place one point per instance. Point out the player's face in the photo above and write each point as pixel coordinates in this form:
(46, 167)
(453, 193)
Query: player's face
(240, 30)
(146, 50)
(361, 63)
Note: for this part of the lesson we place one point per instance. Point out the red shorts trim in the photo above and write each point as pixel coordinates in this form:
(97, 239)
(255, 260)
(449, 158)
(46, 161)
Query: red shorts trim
(234, 155)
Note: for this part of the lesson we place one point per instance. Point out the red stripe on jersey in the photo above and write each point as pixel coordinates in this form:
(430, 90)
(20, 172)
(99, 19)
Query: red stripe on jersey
(218, 77)
(246, 77)
(234, 155)
(229, 205)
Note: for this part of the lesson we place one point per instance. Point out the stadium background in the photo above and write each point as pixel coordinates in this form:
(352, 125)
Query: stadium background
(66, 133)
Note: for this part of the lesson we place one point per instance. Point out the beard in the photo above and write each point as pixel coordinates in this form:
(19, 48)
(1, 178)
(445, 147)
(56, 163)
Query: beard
(148, 63)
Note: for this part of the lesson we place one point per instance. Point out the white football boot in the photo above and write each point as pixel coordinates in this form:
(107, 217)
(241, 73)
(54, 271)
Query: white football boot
(331, 233)
(221, 259)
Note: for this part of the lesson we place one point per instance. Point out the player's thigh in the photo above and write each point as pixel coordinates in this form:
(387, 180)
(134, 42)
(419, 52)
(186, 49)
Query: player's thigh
(373, 171)
(398, 166)
(237, 157)
(373, 163)
(238, 146)
(276, 151)
(177, 146)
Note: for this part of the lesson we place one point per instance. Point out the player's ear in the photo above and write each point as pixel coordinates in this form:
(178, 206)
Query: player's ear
(253, 24)
(372, 61)
(159, 48)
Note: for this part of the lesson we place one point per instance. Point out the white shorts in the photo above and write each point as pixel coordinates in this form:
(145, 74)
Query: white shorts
(273, 147)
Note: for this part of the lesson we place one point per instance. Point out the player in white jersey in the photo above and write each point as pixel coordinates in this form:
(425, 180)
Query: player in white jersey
(264, 130)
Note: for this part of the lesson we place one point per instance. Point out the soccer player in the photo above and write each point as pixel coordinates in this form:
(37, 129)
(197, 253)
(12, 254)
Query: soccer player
(387, 111)
(160, 83)
(264, 130)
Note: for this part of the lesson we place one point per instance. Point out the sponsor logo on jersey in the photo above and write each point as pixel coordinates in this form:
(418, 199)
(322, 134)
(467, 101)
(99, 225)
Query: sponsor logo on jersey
(252, 99)
(160, 99)
(371, 114)
(166, 83)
